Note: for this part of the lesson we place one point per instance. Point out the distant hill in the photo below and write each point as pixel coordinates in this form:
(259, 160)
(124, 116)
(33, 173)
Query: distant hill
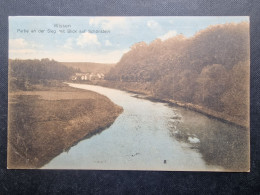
(90, 66)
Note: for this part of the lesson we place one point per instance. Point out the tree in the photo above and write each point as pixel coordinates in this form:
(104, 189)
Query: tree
(203, 69)
(236, 99)
(212, 83)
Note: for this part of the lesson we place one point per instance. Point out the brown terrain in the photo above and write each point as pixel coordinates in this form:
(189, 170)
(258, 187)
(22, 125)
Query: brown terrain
(89, 66)
(143, 89)
(46, 121)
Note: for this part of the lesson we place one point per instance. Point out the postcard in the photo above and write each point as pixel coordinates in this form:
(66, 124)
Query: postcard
(129, 93)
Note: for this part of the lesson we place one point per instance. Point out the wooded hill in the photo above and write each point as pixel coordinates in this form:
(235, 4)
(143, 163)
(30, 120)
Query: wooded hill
(22, 73)
(210, 69)
(89, 66)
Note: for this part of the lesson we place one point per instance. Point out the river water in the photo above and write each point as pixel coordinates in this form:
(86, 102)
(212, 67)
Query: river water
(154, 136)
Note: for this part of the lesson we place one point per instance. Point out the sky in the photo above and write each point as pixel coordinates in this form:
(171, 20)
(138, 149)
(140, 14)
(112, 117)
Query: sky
(97, 39)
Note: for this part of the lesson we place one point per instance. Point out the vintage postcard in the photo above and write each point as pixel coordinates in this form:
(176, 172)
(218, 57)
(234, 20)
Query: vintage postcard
(129, 93)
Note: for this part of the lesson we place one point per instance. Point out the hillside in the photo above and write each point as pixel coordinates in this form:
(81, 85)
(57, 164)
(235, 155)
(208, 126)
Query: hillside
(210, 69)
(24, 73)
(89, 66)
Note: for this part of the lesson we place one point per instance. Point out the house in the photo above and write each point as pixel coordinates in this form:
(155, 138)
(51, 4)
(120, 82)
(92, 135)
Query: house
(87, 76)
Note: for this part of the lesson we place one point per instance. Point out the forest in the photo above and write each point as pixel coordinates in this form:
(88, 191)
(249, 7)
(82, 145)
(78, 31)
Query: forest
(89, 66)
(210, 69)
(24, 73)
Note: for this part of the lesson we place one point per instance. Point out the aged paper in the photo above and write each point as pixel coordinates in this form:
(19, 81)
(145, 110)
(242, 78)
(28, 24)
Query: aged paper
(129, 93)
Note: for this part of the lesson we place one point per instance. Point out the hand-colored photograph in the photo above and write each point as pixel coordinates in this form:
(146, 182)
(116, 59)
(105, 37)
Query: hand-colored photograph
(129, 93)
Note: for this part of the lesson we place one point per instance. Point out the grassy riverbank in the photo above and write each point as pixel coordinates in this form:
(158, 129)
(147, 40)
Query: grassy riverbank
(143, 88)
(46, 121)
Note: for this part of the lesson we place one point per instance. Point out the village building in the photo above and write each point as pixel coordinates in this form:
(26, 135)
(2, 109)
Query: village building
(87, 76)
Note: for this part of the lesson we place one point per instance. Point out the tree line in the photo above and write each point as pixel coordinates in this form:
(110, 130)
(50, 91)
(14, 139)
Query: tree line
(210, 69)
(22, 73)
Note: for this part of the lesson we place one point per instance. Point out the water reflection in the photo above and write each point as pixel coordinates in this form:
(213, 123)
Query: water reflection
(219, 143)
(154, 136)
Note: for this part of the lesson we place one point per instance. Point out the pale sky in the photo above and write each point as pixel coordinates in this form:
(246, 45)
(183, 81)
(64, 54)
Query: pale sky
(88, 43)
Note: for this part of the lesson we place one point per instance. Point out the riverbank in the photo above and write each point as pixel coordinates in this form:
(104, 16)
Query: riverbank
(208, 112)
(143, 90)
(46, 121)
(160, 132)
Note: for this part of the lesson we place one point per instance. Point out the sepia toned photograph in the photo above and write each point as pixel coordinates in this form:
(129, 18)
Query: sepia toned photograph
(129, 93)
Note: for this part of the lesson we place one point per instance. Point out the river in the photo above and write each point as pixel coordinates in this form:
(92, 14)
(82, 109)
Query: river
(155, 136)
